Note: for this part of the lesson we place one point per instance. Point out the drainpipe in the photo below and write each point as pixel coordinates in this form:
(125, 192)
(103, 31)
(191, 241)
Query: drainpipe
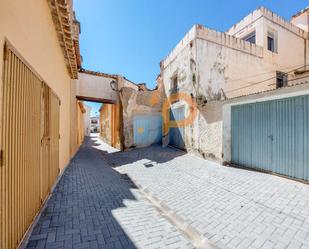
(121, 124)
(305, 53)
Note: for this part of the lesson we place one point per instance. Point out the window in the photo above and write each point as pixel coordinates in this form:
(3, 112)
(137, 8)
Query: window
(174, 84)
(281, 79)
(271, 42)
(250, 37)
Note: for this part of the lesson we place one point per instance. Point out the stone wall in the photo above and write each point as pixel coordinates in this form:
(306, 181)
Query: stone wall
(136, 99)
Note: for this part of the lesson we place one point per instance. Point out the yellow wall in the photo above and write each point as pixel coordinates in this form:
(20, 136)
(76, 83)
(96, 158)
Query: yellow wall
(110, 124)
(74, 129)
(28, 25)
(80, 123)
(106, 123)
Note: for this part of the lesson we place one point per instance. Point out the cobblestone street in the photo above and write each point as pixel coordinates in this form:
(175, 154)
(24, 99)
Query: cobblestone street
(231, 207)
(97, 203)
(94, 207)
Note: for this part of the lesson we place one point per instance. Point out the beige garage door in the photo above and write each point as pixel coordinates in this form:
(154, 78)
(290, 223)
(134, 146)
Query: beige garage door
(29, 146)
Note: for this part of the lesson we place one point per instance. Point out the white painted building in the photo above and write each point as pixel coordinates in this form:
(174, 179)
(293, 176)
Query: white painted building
(95, 124)
(260, 53)
(87, 120)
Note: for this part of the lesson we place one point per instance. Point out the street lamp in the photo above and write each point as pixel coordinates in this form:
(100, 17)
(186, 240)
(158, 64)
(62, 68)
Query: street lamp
(114, 86)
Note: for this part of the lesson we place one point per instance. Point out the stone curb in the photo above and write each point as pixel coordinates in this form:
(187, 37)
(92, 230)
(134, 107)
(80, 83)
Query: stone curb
(197, 239)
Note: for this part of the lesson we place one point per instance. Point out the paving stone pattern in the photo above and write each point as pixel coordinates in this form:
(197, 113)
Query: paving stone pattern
(233, 208)
(93, 206)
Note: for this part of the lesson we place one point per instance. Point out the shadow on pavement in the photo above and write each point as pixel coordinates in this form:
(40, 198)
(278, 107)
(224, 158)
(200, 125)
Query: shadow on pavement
(154, 154)
(79, 213)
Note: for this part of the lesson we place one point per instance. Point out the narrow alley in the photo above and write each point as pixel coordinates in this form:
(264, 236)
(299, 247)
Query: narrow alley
(98, 203)
(134, 125)
(93, 206)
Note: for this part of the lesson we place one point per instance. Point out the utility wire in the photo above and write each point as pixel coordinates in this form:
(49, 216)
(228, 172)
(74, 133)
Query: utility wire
(262, 81)
(273, 71)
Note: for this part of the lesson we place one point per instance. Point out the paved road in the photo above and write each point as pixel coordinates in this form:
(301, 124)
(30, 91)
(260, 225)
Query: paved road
(233, 208)
(93, 206)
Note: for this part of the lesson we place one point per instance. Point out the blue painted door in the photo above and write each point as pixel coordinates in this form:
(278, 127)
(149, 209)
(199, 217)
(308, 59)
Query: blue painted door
(147, 129)
(176, 135)
(273, 136)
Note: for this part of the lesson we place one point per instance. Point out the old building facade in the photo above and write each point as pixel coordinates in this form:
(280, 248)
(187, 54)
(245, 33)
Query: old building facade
(211, 66)
(134, 120)
(246, 76)
(142, 120)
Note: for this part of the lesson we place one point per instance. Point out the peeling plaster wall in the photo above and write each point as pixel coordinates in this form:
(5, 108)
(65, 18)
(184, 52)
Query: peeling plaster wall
(203, 135)
(136, 102)
(212, 66)
(236, 66)
(181, 62)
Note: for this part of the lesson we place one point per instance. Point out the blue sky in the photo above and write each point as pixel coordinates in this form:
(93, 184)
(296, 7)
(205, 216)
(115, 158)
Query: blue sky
(131, 37)
(95, 107)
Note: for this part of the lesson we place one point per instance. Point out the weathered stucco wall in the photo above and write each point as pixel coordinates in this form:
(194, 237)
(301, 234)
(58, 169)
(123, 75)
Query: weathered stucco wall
(111, 125)
(240, 28)
(96, 87)
(238, 70)
(29, 27)
(106, 123)
(135, 101)
(212, 66)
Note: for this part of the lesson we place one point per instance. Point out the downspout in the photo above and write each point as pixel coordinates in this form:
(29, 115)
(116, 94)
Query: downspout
(121, 135)
(121, 124)
(305, 53)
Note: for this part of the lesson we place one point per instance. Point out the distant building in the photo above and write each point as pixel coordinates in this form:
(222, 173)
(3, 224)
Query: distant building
(87, 120)
(95, 124)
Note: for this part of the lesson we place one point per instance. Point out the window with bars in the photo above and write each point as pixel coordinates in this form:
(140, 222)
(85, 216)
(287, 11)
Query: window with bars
(281, 79)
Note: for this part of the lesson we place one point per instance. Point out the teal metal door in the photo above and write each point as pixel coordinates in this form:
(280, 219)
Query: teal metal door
(147, 129)
(176, 135)
(273, 136)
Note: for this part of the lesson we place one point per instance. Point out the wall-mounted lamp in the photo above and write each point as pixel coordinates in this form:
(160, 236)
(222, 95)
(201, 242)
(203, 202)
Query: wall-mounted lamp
(114, 86)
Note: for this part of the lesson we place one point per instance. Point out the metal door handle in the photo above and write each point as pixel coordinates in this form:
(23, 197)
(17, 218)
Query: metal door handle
(271, 137)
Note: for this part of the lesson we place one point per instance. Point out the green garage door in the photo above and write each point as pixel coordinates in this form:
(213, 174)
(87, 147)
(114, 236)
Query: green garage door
(273, 136)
